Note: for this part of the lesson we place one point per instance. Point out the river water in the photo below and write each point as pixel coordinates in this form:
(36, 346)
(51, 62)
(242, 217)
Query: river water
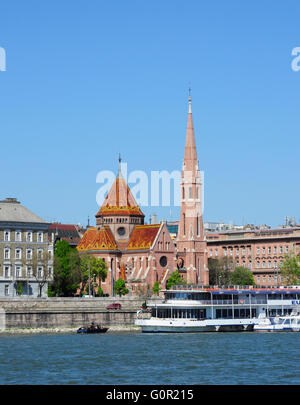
(135, 358)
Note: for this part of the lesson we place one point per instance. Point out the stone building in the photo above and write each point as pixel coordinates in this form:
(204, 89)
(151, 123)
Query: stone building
(67, 232)
(142, 254)
(138, 253)
(26, 252)
(260, 250)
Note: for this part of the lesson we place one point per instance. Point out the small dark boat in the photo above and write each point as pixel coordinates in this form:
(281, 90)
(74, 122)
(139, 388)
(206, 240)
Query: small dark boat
(92, 329)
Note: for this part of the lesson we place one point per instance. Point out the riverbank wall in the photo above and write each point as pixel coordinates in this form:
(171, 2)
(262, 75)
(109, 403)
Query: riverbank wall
(63, 313)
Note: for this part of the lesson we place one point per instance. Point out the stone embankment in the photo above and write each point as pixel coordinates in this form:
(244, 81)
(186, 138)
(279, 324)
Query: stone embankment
(31, 315)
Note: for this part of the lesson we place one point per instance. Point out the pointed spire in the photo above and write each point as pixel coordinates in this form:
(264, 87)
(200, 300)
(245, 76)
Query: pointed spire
(190, 152)
(120, 171)
(190, 101)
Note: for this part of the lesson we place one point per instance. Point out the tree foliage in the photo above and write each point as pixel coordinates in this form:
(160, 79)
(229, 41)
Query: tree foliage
(73, 271)
(175, 279)
(220, 270)
(156, 288)
(67, 275)
(120, 287)
(241, 276)
(290, 269)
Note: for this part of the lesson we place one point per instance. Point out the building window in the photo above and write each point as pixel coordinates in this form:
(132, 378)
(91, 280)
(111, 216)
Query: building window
(29, 271)
(29, 254)
(258, 279)
(29, 236)
(286, 249)
(250, 264)
(237, 251)
(6, 271)
(40, 237)
(269, 264)
(257, 265)
(7, 236)
(280, 249)
(40, 272)
(7, 253)
(6, 290)
(264, 264)
(40, 254)
(18, 254)
(216, 252)
(18, 236)
(269, 250)
(263, 251)
(18, 271)
(211, 252)
(258, 251)
(275, 250)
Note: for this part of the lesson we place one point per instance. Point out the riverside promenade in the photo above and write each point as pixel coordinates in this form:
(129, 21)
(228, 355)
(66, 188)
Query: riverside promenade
(61, 314)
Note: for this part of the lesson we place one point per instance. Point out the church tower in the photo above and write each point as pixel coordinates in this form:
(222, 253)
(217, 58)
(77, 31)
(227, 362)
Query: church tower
(191, 242)
(120, 210)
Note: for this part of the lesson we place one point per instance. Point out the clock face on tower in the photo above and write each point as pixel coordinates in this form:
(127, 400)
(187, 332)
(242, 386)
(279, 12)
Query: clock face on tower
(121, 231)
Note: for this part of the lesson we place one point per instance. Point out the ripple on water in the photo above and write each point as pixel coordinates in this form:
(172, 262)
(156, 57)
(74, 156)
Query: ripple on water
(207, 358)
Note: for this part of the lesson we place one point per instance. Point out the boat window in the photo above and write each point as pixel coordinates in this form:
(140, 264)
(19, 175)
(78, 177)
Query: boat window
(298, 322)
(287, 322)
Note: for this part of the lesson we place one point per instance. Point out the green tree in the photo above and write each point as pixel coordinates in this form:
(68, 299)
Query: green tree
(120, 287)
(220, 270)
(92, 268)
(66, 275)
(156, 288)
(19, 288)
(241, 276)
(175, 279)
(290, 269)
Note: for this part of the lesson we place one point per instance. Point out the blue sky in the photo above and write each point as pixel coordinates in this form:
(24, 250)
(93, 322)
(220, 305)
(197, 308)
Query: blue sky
(86, 80)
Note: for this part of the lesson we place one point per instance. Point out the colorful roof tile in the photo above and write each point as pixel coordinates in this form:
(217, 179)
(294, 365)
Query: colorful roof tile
(142, 237)
(119, 200)
(97, 239)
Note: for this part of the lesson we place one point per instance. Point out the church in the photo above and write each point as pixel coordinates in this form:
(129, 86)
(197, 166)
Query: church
(142, 254)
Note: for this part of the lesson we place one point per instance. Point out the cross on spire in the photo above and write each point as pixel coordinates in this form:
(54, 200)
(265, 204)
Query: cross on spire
(190, 101)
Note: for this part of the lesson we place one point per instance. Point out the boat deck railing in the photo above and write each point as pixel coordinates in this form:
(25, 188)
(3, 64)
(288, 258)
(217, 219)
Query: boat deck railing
(230, 287)
(246, 301)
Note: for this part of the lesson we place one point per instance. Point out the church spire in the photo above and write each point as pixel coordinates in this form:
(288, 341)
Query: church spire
(120, 170)
(190, 161)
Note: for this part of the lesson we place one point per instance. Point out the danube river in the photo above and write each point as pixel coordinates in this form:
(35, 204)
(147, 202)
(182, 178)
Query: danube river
(135, 358)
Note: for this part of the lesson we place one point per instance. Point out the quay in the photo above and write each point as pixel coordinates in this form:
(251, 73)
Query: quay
(61, 314)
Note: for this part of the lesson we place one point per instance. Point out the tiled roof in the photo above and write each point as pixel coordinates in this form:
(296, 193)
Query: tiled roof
(142, 237)
(70, 233)
(97, 239)
(119, 200)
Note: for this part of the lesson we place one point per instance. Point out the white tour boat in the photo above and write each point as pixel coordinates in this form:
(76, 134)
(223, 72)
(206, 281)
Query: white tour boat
(208, 309)
(285, 323)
